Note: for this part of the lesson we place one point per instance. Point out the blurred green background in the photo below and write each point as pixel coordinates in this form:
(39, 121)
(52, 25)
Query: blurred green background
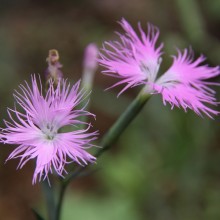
(166, 166)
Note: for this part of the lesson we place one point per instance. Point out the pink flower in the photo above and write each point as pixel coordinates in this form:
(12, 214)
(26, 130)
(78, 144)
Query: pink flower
(136, 60)
(37, 129)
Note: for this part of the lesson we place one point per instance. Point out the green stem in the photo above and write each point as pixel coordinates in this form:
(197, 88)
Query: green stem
(122, 123)
(60, 200)
(117, 129)
(49, 196)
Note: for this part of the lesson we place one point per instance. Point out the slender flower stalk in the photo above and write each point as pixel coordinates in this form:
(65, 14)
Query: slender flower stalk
(123, 121)
(136, 61)
(36, 130)
(49, 199)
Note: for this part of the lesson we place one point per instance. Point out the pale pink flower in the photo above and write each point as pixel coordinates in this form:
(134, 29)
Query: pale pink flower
(136, 60)
(37, 129)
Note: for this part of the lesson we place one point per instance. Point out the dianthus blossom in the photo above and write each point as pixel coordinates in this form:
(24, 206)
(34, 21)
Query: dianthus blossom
(37, 130)
(136, 60)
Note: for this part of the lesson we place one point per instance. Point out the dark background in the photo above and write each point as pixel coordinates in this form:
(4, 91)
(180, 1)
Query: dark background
(166, 166)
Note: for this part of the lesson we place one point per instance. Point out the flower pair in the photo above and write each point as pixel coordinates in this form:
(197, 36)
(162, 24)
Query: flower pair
(136, 60)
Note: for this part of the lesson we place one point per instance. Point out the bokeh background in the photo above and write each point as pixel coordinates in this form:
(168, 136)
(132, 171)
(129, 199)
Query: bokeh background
(166, 165)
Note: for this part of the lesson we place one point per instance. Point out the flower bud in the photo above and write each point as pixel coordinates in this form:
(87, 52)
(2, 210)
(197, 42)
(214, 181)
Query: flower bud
(90, 65)
(53, 70)
(90, 58)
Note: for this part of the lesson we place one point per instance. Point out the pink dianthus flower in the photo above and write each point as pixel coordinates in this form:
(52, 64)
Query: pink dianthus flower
(37, 129)
(136, 60)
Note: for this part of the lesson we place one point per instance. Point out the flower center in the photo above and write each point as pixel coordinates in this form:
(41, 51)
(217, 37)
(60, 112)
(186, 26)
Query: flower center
(150, 69)
(168, 79)
(144, 67)
(49, 131)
